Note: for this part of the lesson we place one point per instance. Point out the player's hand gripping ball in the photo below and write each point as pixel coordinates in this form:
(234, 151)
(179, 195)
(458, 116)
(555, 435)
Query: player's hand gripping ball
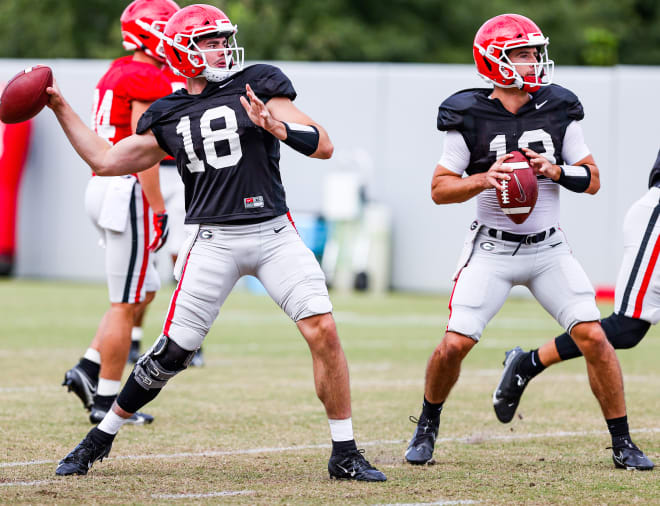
(25, 95)
(519, 194)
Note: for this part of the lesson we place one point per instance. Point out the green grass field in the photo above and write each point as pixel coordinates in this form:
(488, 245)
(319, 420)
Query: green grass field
(248, 429)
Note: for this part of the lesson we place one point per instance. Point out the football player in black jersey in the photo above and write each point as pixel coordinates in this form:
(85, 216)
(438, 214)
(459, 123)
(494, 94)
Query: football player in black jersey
(523, 111)
(636, 299)
(224, 133)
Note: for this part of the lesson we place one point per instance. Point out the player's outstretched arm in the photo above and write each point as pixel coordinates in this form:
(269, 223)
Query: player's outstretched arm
(132, 154)
(447, 187)
(272, 117)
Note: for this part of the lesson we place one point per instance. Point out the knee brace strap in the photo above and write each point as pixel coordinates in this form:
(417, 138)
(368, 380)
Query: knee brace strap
(165, 360)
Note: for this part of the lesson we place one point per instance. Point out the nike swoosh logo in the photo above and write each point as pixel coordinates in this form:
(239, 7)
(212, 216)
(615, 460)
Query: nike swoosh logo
(555, 244)
(352, 473)
(278, 230)
(538, 106)
(521, 190)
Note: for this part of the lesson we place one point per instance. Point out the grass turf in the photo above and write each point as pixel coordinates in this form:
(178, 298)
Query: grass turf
(248, 429)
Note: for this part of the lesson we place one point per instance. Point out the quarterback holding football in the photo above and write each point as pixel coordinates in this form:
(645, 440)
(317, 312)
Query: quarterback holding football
(523, 111)
(224, 132)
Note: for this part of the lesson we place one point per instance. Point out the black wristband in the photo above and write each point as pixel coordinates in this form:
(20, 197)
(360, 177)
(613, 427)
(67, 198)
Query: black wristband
(302, 138)
(576, 178)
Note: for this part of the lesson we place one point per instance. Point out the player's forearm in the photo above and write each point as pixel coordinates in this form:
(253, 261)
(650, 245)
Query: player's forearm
(447, 189)
(150, 182)
(87, 144)
(91, 148)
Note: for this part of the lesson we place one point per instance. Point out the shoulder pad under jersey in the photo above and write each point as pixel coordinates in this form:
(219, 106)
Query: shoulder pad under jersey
(566, 98)
(268, 81)
(144, 82)
(451, 112)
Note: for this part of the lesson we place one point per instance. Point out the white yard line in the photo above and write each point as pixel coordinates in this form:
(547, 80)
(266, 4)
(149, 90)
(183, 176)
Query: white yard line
(436, 503)
(224, 493)
(26, 483)
(219, 453)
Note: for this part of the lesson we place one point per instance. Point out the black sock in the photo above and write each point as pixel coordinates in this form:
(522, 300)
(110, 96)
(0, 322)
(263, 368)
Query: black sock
(619, 431)
(104, 402)
(99, 437)
(530, 365)
(343, 447)
(90, 368)
(431, 410)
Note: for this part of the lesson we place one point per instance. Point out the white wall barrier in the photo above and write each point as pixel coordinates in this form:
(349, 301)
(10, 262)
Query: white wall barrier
(387, 113)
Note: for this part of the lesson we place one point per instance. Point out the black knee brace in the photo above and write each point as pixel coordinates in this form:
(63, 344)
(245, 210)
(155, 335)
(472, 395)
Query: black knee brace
(623, 332)
(165, 360)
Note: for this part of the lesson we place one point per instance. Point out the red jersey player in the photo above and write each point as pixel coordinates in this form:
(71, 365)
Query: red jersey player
(122, 208)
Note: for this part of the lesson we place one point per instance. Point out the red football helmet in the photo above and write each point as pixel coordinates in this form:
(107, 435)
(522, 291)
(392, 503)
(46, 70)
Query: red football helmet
(140, 20)
(180, 37)
(502, 33)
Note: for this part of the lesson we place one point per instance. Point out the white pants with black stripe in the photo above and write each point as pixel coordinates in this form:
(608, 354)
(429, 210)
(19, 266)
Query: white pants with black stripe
(548, 269)
(215, 258)
(121, 214)
(637, 292)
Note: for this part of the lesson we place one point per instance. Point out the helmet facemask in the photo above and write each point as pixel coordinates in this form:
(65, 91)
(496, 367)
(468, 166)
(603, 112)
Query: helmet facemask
(230, 62)
(498, 56)
(185, 46)
(155, 29)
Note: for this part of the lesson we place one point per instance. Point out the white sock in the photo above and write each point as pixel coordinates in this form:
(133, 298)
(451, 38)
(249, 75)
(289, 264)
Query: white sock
(107, 387)
(93, 355)
(341, 430)
(136, 334)
(111, 423)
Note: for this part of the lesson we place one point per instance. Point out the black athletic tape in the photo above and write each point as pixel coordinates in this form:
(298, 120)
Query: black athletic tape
(575, 177)
(302, 138)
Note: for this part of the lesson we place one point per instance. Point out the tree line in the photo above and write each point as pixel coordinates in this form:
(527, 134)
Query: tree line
(582, 32)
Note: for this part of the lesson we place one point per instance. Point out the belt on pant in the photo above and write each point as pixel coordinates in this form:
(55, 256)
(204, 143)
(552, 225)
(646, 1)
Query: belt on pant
(521, 238)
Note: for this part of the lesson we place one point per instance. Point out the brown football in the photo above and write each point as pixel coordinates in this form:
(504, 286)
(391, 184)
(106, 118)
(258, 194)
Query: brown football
(519, 194)
(25, 94)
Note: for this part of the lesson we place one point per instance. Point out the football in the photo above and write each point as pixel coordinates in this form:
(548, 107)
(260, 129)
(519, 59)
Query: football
(25, 94)
(519, 194)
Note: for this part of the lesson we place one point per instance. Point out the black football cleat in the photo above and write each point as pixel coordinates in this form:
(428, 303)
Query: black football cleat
(420, 449)
(76, 380)
(628, 456)
(198, 359)
(506, 396)
(353, 466)
(134, 352)
(137, 418)
(81, 458)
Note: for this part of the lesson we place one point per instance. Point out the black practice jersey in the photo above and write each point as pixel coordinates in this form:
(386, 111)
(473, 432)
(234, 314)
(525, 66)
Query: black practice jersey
(654, 177)
(490, 131)
(229, 166)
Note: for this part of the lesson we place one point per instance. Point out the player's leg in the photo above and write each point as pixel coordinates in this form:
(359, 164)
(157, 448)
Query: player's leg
(137, 332)
(82, 379)
(132, 281)
(206, 278)
(631, 320)
(293, 278)
(173, 192)
(479, 292)
(564, 290)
